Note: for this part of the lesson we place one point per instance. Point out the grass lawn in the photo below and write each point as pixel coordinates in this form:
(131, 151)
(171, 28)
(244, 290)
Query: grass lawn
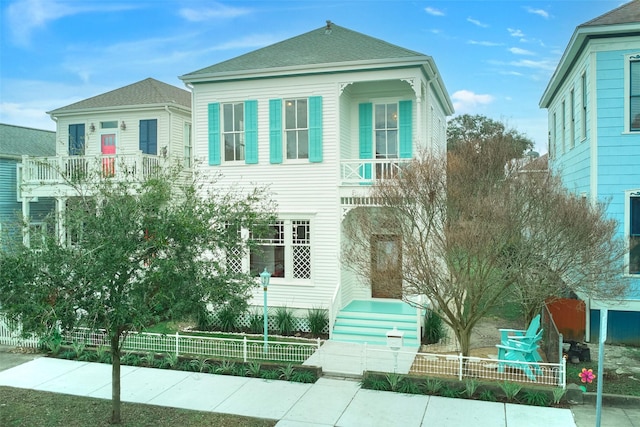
(21, 407)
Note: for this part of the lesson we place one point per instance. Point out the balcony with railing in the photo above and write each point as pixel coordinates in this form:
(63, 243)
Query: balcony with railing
(363, 172)
(41, 175)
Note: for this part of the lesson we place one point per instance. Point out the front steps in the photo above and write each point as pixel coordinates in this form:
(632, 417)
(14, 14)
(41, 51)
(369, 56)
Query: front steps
(368, 321)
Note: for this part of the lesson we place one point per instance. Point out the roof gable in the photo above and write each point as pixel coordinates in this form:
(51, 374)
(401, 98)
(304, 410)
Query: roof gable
(16, 141)
(627, 13)
(330, 44)
(145, 92)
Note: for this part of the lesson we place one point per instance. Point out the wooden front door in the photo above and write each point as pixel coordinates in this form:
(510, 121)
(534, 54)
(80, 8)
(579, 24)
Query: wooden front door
(108, 149)
(386, 266)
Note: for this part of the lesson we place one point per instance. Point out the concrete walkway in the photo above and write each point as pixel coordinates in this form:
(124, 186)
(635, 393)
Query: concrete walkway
(328, 402)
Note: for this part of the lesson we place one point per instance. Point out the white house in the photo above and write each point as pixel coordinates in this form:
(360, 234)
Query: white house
(122, 133)
(318, 118)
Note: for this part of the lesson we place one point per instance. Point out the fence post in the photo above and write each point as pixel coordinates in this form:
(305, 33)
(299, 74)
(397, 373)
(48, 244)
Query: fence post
(244, 349)
(318, 341)
(177, 345)
(460, 369)
(563, 376)
(363, 363)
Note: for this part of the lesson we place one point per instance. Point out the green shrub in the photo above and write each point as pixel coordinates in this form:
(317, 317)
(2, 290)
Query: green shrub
(510, 389)
(256, 320)
(470, 387)
(284, 320)
(228, 318)
(303, 377)
(270, 374)
(149, 359)
(558, 394)
(103, 354)
(225, 367)
(409, 387)
(253, 369)
(286, 372)
(434, 329)
(201, 364)
(536, 398)
(169, 361)
(432, 386)
(394, 381)
(318, 320)
(131, 359)
(52, 342)
(78, 349)
(488, 396)
(449, 391)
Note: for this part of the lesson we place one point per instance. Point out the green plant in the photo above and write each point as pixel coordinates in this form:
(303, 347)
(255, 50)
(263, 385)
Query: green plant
(284, 320)
(394, 381)
(270, 374)
(450, 391)
(318, 319)
(131, 359)
(470, 387)
(78, 348)
(200, 364)
(488, 396)
(286, 372)
(409, 387)
(149, 359)
(53, 342)
(170, 360)
(184, 365)
(432, 386)
(88, 356)
(228, 318)
(536, 398)
(256, 320)
(103, 354)
(510, 389)
(303, 377)
(253, 369)
(376, 383)
(558, 394)
(434, 329)
(225, 367)
(67, 354)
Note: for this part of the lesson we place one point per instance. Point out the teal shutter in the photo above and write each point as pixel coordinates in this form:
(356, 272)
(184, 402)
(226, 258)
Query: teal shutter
(214, 134)
(405, 129)
(251, 132)
(366, 137)
(275, 130)
(315, 129)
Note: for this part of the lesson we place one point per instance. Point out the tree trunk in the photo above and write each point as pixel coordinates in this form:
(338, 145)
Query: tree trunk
(464, 339)
(115, 380)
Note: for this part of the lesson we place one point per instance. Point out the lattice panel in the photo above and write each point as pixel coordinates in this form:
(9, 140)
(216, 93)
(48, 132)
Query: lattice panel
(234, 260)
(302, 262)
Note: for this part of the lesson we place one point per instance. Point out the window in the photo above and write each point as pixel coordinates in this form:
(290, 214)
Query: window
(76, 140)
(552, 136)
(583, 112)
(634, 96)
(149, 136)
(564, 127)
(296, 130)
(386, 131)
(233, 131)
(634, 233)
(187, 146)
(286, 252)
(572, 118)
(113, 124)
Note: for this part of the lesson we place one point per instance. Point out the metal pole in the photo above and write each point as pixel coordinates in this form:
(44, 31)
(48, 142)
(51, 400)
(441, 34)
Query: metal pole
(603, 337)
(266, 322)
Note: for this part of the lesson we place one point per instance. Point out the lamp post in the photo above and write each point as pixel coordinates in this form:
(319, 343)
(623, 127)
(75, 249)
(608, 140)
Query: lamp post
(264, 279)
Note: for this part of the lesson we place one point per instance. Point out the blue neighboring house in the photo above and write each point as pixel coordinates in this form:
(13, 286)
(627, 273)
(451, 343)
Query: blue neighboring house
(593, 102)
(15, 142)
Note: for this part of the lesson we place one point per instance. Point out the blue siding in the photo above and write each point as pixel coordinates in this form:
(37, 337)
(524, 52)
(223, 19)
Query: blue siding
(623, 327)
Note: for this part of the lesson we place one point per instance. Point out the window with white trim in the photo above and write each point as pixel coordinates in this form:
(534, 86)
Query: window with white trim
(296, 123)
(634, 233)
(583, 112)
(285, 252)
(634, 93)
(572, 119)
(233, 131)
(188, 147)
(386, 130)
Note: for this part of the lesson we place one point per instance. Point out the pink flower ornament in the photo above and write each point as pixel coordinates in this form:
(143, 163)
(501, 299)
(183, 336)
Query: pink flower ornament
(586, 376)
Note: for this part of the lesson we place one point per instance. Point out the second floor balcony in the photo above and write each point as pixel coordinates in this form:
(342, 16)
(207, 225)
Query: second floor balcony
(364, 172)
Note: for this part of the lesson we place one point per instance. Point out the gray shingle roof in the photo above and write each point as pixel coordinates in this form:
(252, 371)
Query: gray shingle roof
(145, 92)
(17, 141)
(625, 14)
(320, 46)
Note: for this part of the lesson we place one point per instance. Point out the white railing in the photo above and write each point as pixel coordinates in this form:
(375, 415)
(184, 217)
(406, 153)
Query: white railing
(366, 172)
(11, 334)
(199, 346)
(461, 367)
(62, 169)
(334, 308)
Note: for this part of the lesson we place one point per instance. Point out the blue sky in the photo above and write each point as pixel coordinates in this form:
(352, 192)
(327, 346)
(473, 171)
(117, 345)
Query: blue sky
(495, 57)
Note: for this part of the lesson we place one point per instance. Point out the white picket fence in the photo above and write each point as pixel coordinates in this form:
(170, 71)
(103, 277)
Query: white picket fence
(199, 346)
(10, 334)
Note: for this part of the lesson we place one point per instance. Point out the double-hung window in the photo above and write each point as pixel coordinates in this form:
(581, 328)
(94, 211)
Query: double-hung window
(188, 147)
(296, 123)
(285, 251)
(634, 233)
(233, 131)
(386, 131)
(634, 96)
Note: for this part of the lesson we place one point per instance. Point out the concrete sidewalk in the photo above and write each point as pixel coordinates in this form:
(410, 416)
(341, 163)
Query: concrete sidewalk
(328, 402)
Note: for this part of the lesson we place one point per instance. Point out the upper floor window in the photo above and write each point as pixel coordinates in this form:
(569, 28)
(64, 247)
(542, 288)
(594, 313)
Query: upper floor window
(233, 131)
(296, 128)
(634, 95)
(149, 136)
(572, 119)
(112, 124)
(386, 130)
(76, 140)
(634, 233)
(188, 148)
(583, 109)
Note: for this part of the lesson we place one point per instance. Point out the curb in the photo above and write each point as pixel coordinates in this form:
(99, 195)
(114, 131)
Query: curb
(615, 400)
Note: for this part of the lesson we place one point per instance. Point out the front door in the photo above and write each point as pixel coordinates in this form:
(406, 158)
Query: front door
(108, 149)
(386, 266)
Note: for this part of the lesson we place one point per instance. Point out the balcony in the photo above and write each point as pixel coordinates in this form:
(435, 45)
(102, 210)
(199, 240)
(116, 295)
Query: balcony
(367, 172)
(44, 176)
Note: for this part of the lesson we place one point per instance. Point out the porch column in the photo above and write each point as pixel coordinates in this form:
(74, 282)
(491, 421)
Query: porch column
(26, 213)
(60, 214)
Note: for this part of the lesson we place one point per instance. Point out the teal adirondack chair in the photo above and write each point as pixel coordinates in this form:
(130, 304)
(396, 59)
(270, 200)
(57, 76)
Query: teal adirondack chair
(521, 346)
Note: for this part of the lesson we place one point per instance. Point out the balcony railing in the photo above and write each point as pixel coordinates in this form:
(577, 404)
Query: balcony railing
(366, 172)
(64, 169)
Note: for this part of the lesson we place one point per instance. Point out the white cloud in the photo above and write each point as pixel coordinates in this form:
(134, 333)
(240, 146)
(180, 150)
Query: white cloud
(537, 65)
(478, 23)
(217, 11)
(465, 100)
(515, 32)
(433, 11)
(540, 12)
(483, 43)
(518, 51)
(26, 16)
